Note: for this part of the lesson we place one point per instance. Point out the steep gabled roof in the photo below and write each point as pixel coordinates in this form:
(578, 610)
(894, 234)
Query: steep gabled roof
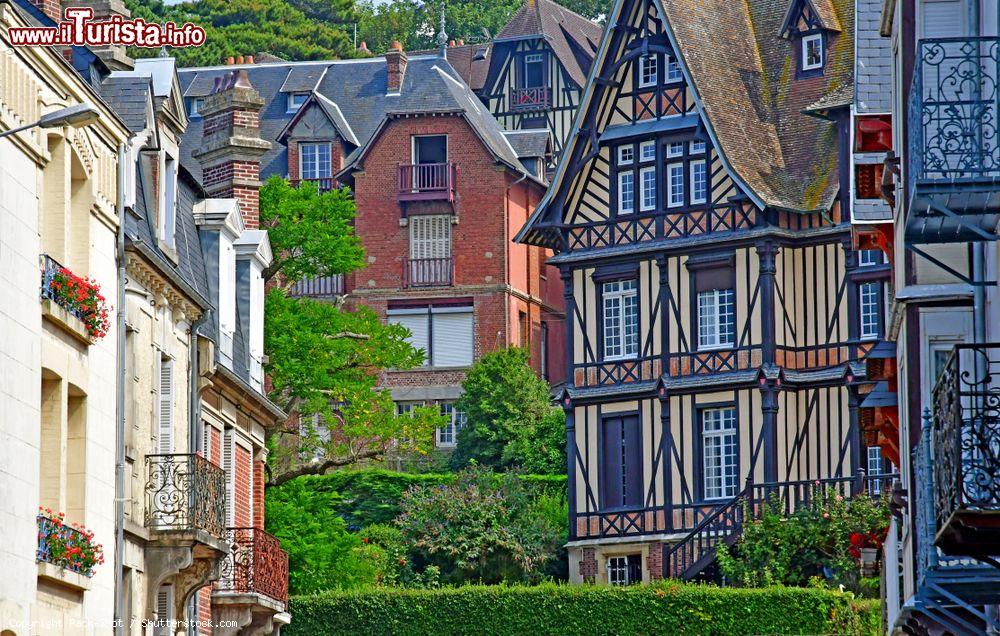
(572, 37)
(470, 61)
(332, 112)
(530, 143)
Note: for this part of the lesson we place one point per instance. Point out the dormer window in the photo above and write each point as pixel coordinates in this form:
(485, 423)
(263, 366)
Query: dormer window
(314, 161)
(534, 70)
(673, 70)
(812, 52)
(295, 101)
(195, 107)
(168, 202)
(648, 69)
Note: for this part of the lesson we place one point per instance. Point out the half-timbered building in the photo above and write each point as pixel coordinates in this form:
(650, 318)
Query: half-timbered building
(715, 315)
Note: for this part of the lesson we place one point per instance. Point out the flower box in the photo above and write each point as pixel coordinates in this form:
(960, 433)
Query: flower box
(68, 546)
(80, 298)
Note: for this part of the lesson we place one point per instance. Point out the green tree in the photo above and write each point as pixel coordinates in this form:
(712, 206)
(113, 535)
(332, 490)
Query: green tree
(324, 359)
(510, 421)
(481, 528)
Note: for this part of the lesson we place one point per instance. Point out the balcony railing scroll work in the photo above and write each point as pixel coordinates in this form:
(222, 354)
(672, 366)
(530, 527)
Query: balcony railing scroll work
(185, 492)
(966, 460)
(256, 564)
(954, 156)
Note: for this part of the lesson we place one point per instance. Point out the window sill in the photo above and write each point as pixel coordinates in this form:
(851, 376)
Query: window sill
(62, 576)
(710, 348)
(620, 359)
(57, 315)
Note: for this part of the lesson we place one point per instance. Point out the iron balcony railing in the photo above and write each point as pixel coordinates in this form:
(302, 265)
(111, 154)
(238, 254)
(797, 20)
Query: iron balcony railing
(50, 268)
(320, 287)
(535, 98)
(256, 564)
(323, 184)
(953, 108)
(967, 432)
(52, 541)
(428, 272)
(426, 181)
(185, 491)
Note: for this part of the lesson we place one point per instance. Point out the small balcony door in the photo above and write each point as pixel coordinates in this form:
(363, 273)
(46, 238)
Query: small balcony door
(534, 71)
(428, 149)
(430, 250)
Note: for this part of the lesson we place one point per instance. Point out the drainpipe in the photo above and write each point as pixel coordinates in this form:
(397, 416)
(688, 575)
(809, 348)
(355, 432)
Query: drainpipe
(978, 247)
(119, 626)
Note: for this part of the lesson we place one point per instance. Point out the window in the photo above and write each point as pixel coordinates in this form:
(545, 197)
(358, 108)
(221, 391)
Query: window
(673, 70)
(626, 192)
(716, 318)
(626, 154)
(812, 52)
(522, 329)
(165, 619)
(447, 437)
(719, 452)
(870, 307)
(406, 408)
(430, 149)
(314, 161)
(621, 320)
(295, 101)
(195, 107)
(168, 217)
(675, 149)
(647, 151)
(648, 180)
(699, 181)
(625, 570)
(647, 71)
(445, 333)
(697, 147)
(430, 237)
(544, 349)
(869, 258)
(165, 407)
(621, 463)
(534, 70)
(675, 183)
(875, 467)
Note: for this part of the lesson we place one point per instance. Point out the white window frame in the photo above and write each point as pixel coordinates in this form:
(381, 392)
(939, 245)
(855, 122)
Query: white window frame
(694, 190)
(196, 103)
(292, 106)
(647, 188)
(647, 151)
(806, 41)
(697, 147)
(533, 58)
(428, 314)
(447, 437)
(673, 73)
(626, 155)
(868, 309)
(620, 302)
(626, 205)
(321, 169)
(712, 319)
(720, 453)
(675, 149)
(413, 146)
(865, 258)
(168, 202)
(618, 571)
(875, 465)
(675, 190)
(647, 75)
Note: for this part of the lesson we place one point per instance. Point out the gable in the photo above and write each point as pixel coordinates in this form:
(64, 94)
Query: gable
(809, 16)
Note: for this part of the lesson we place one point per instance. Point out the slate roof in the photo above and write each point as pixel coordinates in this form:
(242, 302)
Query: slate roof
(358, 89)
(529, 143)
(470, 61)
(129, 97)
(572, 37)
(746, 80)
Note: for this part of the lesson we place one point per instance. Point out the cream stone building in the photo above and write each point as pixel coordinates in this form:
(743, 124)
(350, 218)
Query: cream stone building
(58, 210)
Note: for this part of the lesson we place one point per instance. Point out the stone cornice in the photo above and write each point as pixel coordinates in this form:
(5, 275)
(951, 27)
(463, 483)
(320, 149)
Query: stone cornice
(256, 245)
(143, 273)
(220, 214)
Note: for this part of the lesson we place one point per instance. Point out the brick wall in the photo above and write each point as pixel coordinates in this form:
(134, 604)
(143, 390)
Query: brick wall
(654, 561)
(205, 610)
(588, 565)
(258, 494)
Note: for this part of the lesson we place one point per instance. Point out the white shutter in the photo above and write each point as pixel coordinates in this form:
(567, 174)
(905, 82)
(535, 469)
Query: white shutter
(228, 465)
(165, 407)
(943, 18)
(164, 610)
(417, 323)
(452, 339)
(430, 237)
(206, 441)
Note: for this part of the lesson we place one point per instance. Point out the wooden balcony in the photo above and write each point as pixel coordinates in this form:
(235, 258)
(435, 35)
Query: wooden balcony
(966, 463)
(255, 565)
(536, 98)
(323, 184)
(428, 272)
(426, 182)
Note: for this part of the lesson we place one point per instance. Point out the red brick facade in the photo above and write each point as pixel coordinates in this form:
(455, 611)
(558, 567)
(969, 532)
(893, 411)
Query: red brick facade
(242, 488)
(258, 494)
(588, 565)
(654, 561)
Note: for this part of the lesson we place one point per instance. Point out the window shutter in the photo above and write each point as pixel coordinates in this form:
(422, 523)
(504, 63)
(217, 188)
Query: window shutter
(452, 339)
(430, 237)
(228, 443)
(943, 18)
(632, 454)
(611, 464)
(165, 429)
(164, 609)
(418, 326)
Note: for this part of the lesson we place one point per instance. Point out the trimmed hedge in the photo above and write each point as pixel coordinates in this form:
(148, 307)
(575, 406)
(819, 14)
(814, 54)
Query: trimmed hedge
(366, 496)
(667, 608)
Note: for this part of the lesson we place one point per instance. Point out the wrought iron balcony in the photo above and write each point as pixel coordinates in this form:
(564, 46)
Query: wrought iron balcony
(256, 564)
(426, 181)
(954, 158)
(320, 287)
(536, 98)
(428, 272)
(185, 492)
(967, 451)
(323, 184)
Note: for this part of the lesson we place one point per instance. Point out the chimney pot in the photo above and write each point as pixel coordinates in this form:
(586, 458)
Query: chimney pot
(242, 79)
(239, 59)
(396, 46)
(451, 43)
(249, 59)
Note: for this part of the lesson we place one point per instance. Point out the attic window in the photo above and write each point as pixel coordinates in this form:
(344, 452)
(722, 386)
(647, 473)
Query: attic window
(534, 70)
(812, 52)
(647, 71)
(295, 101)
(195, 107)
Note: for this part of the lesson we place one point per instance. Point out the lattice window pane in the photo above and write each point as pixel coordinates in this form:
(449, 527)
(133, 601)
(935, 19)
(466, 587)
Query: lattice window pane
(716, 318)
(869, 307)
(719, 452)
(674, 73)
(626, 192)
(675, 176)
(621, 319)
(314, 161)
(699, 182)
(648, 188)
(647, 71)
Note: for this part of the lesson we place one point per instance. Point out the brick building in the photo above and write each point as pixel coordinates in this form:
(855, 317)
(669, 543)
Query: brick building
(441, 190)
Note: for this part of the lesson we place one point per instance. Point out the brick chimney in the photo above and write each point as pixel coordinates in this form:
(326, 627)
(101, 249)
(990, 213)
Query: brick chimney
(395, 63)
(112, 55)
(231, 146)
(50, 8)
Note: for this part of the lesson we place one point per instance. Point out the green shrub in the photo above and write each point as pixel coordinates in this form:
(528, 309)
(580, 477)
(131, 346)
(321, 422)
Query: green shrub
(668, 608)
